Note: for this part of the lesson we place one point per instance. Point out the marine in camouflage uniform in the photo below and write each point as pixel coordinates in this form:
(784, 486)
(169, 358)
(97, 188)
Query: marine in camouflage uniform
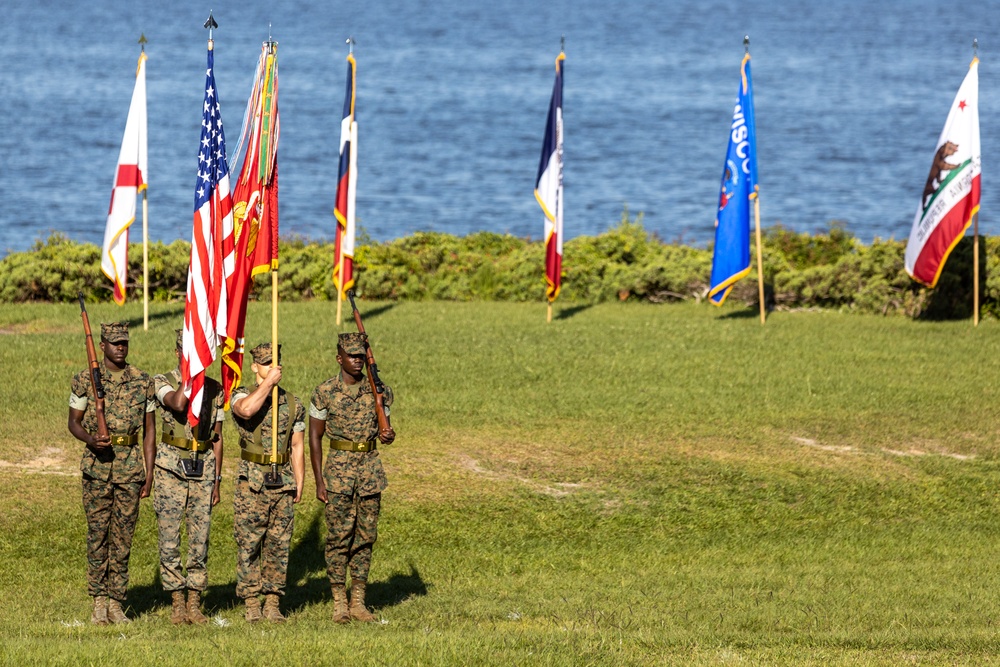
(263, 516)
(352, 480)
(181, 496)
(114, 470)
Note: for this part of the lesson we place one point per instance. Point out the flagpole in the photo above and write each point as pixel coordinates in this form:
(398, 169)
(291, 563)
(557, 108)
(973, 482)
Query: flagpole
(274, 310)
(145, 262)
(145, 234)
(340, 276)
(975, 270)
(975, 234)
(760, 257)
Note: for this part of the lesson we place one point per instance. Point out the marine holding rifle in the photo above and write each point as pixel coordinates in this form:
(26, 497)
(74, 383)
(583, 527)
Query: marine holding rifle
(188, 473)
(110, 404)
(352, 411)
(269, 482)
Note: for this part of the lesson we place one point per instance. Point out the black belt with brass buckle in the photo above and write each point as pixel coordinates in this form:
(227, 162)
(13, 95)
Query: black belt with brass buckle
(185, 444)
(348, 446)
(125, 440)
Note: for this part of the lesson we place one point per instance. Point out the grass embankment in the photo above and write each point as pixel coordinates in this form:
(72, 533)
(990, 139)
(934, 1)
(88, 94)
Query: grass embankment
(631, 484)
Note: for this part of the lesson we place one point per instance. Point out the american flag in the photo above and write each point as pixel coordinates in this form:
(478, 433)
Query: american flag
(212, 252)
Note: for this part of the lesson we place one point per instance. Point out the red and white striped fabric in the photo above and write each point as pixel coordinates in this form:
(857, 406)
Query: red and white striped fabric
(130, 180)
(212, 253)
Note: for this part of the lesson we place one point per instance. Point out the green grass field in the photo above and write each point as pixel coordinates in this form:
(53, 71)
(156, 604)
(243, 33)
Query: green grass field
(631, 484)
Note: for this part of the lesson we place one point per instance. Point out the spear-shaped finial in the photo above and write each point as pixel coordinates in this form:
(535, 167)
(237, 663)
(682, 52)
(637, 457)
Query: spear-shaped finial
(210, 24)
(143, 41)
(746, 44)
(562, 43)
(975, 48)
(350, 45)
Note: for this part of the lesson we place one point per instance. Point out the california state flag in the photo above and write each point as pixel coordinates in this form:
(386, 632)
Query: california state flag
(951, 194)
(130, 179)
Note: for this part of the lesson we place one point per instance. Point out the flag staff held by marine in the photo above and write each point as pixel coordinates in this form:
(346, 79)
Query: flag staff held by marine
(731, 253)
(549, 185)
(212, 247)
(131, 177)
(347, 186)
(950, 198)
(268, 170)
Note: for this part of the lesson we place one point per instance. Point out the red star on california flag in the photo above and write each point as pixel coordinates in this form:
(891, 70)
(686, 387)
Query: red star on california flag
(962, 105)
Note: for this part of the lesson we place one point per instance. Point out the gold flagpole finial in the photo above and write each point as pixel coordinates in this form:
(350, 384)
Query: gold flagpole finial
(142, 41)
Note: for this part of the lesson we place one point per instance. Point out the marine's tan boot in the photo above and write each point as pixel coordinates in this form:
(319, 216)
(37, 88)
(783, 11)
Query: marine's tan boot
(100, 614)
(340, 612)
(115, 612)
(271, 610)
(359, 612)
(178, 614)
(252, 614)
(194, 614)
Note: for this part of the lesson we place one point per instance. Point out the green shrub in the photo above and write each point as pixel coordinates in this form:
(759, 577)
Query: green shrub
(831, 269)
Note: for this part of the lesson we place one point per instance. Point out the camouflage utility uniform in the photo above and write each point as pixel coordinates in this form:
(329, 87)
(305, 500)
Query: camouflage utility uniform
(176, 495)
(354, 479)
(112, 478)
(263, 517)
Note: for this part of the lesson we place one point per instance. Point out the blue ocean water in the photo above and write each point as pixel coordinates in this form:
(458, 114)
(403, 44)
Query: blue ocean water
(850, 98)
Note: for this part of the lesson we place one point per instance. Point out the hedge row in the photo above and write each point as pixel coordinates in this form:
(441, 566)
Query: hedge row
(826, 270)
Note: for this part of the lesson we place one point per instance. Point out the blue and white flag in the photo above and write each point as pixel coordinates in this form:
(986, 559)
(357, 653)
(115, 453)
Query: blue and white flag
(731, 257)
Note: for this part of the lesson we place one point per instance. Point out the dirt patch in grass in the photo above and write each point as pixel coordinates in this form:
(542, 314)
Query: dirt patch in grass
(48, 461)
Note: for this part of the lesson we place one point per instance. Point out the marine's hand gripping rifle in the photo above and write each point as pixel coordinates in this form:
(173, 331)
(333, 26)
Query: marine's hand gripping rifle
(373, 379)
(95, 374)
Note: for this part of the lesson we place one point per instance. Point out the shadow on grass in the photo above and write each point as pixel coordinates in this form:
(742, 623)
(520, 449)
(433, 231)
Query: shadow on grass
(398, 588)
(174, 312)
(375, 312)
(566, 313)
(307, 581)
(742, 314)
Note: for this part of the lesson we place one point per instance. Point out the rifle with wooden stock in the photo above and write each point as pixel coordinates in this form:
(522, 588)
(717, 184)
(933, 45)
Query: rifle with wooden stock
(378, 389)
(95, 374)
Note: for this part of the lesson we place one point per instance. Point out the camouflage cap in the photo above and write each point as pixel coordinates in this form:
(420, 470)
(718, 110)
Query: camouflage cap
(114, 332)
(180, 338)
(352, 343)
(262, 354)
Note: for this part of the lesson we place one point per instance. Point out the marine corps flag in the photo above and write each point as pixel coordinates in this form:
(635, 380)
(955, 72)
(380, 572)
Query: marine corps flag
(549, 185)
(255, 198)
(343, 244)
(731, 255)
(951, 193)
(206, 307)
(130, 180)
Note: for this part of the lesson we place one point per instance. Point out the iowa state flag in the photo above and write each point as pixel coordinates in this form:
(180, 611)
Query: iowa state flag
(549, 185)
(130, 180)
(731, 256)
(951, 193)
(343, 244)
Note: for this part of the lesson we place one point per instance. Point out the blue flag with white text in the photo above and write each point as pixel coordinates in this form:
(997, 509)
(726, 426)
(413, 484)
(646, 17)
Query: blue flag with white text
(731, 256)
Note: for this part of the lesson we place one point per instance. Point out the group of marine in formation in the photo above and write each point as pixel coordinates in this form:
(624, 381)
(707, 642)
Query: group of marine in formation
(112, 409)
